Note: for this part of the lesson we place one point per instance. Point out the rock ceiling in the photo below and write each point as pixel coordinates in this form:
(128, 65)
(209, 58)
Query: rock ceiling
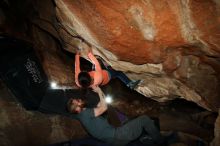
(173, 46)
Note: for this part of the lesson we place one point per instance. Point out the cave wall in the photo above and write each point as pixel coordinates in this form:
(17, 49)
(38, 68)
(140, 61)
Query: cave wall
(172, 45)
(216, 140)
(19, 127)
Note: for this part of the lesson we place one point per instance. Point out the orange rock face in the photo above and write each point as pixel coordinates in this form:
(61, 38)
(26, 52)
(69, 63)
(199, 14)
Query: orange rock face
(172, 45)
(142, 31)
(182, 37)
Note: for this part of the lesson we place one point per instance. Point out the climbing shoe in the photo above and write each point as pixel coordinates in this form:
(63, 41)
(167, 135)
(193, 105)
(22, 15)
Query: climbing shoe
(133, 84)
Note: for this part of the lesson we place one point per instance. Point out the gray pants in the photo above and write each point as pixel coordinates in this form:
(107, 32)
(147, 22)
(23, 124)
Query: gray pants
(133, 130)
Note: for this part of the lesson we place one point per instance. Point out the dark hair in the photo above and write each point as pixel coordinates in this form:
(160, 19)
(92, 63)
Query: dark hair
(84, 79)
(72, 107)
(89, 98)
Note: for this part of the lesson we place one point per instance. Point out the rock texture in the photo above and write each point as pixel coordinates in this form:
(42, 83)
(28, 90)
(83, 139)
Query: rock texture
(172, 45)
(20, 127)
(216, 141)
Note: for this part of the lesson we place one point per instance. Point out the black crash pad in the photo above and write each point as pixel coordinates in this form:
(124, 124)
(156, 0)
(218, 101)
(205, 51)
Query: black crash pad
(22, 72)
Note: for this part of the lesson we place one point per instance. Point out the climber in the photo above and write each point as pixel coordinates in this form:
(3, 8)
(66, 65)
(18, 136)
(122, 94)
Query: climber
(100, 128)
(90, 99)
(99, 76)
